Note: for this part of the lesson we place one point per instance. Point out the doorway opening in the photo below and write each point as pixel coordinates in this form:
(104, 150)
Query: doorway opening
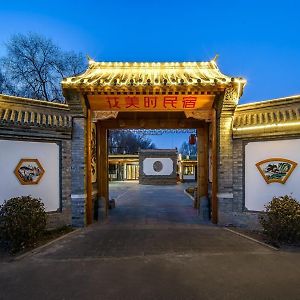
(203, 132)
(152, 176)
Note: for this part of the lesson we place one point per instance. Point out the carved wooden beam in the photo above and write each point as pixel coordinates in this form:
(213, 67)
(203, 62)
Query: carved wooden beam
(199, 114)
(104, 115)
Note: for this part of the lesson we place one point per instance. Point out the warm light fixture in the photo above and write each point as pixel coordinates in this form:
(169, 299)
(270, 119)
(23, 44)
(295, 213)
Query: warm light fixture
(192, 139)
(267, 126)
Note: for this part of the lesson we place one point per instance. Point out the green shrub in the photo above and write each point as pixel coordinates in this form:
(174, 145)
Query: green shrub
(281, 222)
(22, 222)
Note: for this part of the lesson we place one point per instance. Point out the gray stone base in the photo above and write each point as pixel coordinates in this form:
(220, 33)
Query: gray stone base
(78, 211)
(204, 211)
(59, 219)
(240, 219)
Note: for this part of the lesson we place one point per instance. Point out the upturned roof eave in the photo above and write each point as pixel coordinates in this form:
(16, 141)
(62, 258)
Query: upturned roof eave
(168, 74)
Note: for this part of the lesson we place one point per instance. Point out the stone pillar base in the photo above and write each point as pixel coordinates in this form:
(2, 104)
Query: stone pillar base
(204, 211)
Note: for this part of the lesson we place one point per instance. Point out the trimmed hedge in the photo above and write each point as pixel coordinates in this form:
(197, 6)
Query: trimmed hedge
(22, 222)
(281, 222)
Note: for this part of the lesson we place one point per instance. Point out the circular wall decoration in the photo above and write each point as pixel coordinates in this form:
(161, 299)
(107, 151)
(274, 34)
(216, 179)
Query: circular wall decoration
(157, 166)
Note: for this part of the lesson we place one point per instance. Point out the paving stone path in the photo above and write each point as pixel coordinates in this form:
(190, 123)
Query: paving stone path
(152, 205)
(152, 247)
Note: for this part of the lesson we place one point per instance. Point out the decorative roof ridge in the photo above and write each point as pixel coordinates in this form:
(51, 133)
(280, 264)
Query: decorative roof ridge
(32, 102)
(270, 115)
(269, 103)
(120, 75)
(93, 63)
(19, 118)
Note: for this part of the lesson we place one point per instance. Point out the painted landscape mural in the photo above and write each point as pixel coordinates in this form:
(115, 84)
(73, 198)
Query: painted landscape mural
(29, 171)
(276, 169)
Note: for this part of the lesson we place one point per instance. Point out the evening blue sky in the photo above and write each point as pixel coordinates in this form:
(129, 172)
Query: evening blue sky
(258, 40)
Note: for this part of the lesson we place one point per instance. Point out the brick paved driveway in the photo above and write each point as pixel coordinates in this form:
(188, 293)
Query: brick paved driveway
(164, 253)
(148, 204)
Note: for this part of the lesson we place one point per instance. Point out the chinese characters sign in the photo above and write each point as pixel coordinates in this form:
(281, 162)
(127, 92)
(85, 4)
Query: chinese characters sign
(150, 102)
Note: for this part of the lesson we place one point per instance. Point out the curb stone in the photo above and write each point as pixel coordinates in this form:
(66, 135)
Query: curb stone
(252, 239)
(38, 249)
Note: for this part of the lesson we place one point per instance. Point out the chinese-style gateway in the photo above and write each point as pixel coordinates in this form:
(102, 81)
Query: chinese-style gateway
(232, 139)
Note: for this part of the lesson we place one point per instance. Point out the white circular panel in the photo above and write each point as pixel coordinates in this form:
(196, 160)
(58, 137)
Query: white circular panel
(158, 166)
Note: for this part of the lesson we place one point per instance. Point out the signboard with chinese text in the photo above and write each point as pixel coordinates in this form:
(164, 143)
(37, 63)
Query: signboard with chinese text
(150, 102)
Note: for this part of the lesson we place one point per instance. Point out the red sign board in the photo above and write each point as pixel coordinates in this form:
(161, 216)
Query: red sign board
(150, 102)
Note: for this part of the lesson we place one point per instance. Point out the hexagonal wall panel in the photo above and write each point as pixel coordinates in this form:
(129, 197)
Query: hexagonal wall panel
(29, 171)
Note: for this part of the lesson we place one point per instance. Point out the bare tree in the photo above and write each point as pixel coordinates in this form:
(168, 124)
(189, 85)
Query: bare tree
(188, 149)
(5, 86)
(36, 66)
(127, 142)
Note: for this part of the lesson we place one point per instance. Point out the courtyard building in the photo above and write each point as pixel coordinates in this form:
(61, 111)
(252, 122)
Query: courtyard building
(246, 154)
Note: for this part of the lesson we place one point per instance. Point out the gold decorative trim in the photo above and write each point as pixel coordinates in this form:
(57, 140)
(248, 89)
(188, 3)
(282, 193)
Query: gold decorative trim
(94, 153)
(104, 115)
(279, 171)
(120, 74)
(199, 115)
(30, 174)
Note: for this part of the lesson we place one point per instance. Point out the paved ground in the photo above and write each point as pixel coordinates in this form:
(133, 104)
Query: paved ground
(150, 205)
(153, 257)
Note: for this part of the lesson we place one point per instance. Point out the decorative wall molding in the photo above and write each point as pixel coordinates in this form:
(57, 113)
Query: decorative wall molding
(273, 116)
(225, 195)
(104, 115)
(199, 114)
(78, 196)
(22, 112)
(94, 153)
(231, 95)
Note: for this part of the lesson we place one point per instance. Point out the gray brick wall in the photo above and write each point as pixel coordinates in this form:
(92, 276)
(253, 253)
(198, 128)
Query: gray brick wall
(158, 179)
(64, 216)
(76, 103)
(44, 133)
(242, 217)
(225, 167)
(78, 172)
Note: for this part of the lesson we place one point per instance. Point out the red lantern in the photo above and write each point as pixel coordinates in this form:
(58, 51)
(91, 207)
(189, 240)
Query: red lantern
(192, 139)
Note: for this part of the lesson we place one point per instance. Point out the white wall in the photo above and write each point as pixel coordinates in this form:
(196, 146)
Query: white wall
(167, 168)
(48, 187)
(257, 191)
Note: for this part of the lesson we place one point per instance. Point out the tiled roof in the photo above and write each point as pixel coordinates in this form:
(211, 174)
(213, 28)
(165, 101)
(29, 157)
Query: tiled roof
(17, 111)
(121, 74)
(267, 115)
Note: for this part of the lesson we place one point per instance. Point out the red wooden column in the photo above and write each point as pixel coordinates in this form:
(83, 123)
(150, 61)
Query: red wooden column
(102, 166)
(214, 162)
(202, 166)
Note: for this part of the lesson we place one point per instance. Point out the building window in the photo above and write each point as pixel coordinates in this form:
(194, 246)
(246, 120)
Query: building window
(112, 169)
(188, 170)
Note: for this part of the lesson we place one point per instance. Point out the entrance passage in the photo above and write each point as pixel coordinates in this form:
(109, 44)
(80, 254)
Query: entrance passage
(151, 205)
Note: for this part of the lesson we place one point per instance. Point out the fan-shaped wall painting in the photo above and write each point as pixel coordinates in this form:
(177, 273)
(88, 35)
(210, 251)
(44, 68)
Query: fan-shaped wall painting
(276, 169)
(29, 171)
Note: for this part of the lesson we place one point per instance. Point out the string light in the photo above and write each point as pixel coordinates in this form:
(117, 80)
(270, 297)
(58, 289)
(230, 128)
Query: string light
(266, 126)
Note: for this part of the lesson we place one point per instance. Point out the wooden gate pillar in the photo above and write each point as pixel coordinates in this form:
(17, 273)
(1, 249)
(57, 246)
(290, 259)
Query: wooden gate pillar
(102, 166)
(214, 162)
(201, 202)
